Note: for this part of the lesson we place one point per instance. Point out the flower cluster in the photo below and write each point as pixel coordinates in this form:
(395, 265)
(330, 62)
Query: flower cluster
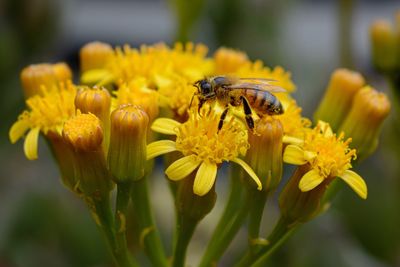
(99, 132)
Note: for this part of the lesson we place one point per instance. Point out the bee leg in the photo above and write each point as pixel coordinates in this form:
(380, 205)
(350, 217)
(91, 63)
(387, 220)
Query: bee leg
(247, 113)
(201, 102)
(222, 118)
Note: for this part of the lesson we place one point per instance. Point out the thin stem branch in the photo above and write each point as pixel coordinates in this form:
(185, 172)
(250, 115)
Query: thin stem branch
(185, 230)
(103, 216)
(229, 224)
(257, 203)
(277, 237)
(149, 237)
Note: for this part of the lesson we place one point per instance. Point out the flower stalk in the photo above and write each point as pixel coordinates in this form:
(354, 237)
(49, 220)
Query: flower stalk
(149, 236)
(191, 209)
(234, 214)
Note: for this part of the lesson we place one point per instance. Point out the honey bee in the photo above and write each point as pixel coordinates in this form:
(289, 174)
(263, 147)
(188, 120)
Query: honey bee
(251, 93)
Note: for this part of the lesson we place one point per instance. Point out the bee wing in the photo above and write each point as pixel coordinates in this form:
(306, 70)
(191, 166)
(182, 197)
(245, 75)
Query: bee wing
(266, 80)
(256, 86)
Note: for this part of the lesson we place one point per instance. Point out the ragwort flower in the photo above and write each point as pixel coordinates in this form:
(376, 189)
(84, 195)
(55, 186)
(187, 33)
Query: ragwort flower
(328, 156)
(46, 113)
(203, 146)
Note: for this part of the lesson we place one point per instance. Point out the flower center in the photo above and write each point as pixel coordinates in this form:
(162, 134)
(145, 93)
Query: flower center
(333, 153)
(200, 136)
(50, 110)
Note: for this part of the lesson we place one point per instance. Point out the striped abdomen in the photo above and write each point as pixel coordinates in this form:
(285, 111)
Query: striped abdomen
(263, 102)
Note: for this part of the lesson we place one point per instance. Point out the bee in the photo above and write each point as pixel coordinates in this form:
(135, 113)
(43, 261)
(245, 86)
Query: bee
(251, 93)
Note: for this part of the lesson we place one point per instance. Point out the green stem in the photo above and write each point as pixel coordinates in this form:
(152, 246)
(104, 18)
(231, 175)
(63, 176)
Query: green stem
(149, 235)
(185, 230)
(104, 217)
(278, 236)
(257, 201)
(123, 197)
(345, 26)
(229, 224)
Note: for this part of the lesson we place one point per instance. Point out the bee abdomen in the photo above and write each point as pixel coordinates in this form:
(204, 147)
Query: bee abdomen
(263, 102)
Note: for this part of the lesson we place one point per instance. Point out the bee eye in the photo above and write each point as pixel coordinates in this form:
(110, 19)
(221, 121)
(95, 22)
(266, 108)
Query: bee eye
(206, 88)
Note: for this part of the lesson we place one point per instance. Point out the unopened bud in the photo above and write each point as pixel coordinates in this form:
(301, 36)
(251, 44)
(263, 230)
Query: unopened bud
(265, 152)
(48, 75)
(95, 55)
(127, 151)
(96, 100)
(336, 103)
(384, 45)
(364, 121)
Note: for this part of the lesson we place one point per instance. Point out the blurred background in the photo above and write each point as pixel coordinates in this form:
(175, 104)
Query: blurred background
(42, 224)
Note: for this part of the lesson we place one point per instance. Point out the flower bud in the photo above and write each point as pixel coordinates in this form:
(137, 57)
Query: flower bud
(127, 152)
(265, 152)
(297, 206)
(48, 75)
(85, 135)
(384, 45)
(336, 103)
(364, 121)
(95, 55)
(96, 100)
(228, 60)
(62, 71)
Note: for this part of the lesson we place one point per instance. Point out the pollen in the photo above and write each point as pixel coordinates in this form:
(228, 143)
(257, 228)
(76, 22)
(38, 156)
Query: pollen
(229, 60)
(83, 132)
(178, 96)
(50, 110)
(159, 60)
(137, 92)
(333, 155)
(199, 136)
(293, 123)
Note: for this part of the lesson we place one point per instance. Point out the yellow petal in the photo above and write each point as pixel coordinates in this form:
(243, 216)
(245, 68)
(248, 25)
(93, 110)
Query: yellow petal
(94, 76)
(109, 78)
(31, 144)
(292, 140)
(160, 147)
(249, 171)
(165, 126)
(17, 130)
(205, 178)
(356, 183)
(294, 155)
(310, 180)
(182, 167)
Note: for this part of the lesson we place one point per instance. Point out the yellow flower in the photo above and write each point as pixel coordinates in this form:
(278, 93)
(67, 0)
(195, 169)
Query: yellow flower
(48, 75)
(177, 95)
(95, 55)
(328, 155)
(258, 70)
(203, 146)
(46, 113)
(229, 60)
(294, 125)
(153, 62)
(137, 92)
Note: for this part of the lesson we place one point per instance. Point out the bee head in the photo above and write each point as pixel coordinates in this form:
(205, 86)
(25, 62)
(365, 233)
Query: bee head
(204, 86)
